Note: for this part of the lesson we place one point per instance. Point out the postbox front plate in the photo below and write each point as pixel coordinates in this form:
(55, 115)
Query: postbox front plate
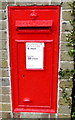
(34, 43)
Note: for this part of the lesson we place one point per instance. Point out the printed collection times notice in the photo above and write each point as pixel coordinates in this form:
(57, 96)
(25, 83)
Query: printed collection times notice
(34, 55)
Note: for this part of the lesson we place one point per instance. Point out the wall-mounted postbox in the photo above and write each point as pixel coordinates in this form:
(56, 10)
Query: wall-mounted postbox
(34, 41)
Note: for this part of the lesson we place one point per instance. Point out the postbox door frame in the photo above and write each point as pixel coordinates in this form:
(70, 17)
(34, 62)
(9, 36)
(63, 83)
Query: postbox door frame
(14, 65)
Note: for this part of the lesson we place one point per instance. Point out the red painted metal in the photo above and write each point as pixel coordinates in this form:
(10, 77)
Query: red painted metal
(34, 23)
(34, 90)
(34, 14)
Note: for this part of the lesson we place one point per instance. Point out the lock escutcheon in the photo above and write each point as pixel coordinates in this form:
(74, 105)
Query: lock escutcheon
(27, 100)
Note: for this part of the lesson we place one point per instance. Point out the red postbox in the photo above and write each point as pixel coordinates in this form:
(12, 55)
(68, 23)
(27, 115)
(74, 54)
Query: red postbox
(34, 43)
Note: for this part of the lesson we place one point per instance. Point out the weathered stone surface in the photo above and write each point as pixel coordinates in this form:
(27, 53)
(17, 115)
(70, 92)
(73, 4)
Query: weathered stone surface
(3, 35)
(1, 73)
(2, 4)
(6, 114)
(16, 115)
(65, 101)
(4, 73)
(66, 15)
(64, 116)
(67, 0)
(52, 115)
(2, 1)
(23, 3)
(34, 115)
(3, 25)
(68, 93)
(31, 3)
(3, 54)
(5, 98)
(0, 114)
(64, 109)
(4, 90)
(5, 107)
(0, 90)
(66, 84)
(3, 45)
(3, 64)
(53, 2)
(4, 82)
(65, 5)
(64, 47)
(65, 56)
(64, 36)
(3, 15)
(0, 107)
(66, 26)
(66, 65)
(10, 1)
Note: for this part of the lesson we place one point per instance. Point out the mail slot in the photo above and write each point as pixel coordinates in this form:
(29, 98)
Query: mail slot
(34, 46)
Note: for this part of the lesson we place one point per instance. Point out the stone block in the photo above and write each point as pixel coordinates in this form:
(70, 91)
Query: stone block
(66, 15)
(55, 2)
(5, 98)
(65, 5)
(66, 65)
(34, 115)
(64, 116)
(3, 63)
(67, 0)
(0, 114)
(4, 73)
(5, 90)
(16, 115)
(65, 101)
(6, 107)
(23, 3)
(3, 45)
(1, 75)
(3, 54)
(64, 110)
(67, 92)
(33, 1)
(65, 56)
(0, 107)
(6, 115)
(64, 47)
(11, 1)
(0, 90)
(30, 3)
(52, 115)
(2, 1)
(64, 36)
(3, 15)
(66, 84)
(3, 4)
(3, 25)
(4, 82)
(66, 26)
(3, 35)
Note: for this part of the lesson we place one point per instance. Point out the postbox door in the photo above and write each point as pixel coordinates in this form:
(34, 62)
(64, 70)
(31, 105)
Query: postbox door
(35, 83)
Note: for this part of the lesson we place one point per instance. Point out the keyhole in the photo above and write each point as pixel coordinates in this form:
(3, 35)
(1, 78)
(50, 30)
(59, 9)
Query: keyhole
(22, 75)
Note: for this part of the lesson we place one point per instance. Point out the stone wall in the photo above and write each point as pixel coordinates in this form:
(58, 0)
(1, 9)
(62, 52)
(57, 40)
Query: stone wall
(65, 61)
